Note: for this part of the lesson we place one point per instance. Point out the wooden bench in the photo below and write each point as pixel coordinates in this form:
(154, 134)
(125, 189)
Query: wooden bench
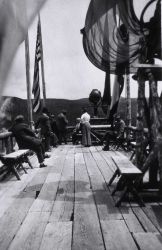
(15, 160)
(127, 173)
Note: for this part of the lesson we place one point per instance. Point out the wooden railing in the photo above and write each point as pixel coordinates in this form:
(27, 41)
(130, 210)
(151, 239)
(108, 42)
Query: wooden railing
(133, 131)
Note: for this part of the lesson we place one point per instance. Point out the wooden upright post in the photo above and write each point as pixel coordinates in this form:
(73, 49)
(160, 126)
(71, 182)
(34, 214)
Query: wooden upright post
(160, 164)
(28, 82)
(140, 121)
(154, 122)
(128, 101)
(160, 131)
(42, 66)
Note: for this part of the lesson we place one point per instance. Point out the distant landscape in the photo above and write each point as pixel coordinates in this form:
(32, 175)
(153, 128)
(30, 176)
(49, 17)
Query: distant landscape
(12, 106)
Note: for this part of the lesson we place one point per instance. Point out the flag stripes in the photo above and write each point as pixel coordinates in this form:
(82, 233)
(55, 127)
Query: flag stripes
(36, 85)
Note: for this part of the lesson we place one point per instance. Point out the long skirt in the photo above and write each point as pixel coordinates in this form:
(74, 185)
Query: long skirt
(86, 134)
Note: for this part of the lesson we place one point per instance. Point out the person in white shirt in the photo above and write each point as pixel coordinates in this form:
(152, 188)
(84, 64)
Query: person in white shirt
(86, 128)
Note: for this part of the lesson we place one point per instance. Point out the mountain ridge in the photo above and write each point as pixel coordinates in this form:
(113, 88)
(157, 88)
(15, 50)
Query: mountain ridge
(12, 106)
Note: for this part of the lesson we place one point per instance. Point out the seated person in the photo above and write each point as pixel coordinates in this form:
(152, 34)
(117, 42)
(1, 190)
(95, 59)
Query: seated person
(116, 133)
(76, 131)
(26, 138)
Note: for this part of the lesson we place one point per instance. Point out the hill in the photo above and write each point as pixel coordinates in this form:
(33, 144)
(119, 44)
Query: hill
(12, 106)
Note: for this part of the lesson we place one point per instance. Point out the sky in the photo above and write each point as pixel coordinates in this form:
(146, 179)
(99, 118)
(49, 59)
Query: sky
(68, 72)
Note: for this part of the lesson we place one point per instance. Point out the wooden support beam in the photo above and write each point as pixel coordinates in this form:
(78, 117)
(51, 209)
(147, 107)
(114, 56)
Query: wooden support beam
(147, 66)
(140, 122)
(158, 110)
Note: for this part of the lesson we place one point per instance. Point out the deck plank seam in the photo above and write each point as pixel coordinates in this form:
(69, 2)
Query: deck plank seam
(95, 205)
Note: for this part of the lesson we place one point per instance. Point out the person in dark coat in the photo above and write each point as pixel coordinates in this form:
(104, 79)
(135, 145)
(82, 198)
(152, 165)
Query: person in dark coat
(26, 138)
(54, 125)
(54, 138)
(43, 123)
(62, 127)
(116, 133)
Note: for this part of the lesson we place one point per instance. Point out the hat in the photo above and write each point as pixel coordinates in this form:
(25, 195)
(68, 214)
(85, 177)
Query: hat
(19, 118)
(64, 111)
(45, 110)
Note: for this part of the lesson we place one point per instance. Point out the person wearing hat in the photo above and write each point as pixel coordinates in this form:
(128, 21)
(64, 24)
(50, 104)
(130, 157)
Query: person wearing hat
(54, 135)
(119, 126)
(62, 123)
(116, 133)
(43, 123)
(26, 138)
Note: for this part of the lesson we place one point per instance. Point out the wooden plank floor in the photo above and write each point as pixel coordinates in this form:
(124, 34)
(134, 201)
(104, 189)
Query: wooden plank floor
(68, 205)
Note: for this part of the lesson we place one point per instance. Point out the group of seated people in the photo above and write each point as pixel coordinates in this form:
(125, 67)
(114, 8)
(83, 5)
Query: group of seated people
(28, 138)
(40, 142)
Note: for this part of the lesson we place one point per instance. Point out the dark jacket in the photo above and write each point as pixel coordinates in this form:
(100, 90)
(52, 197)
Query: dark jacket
(44, 124)
(62, 122)
(24, 136)
(119, 127)
(54, 126)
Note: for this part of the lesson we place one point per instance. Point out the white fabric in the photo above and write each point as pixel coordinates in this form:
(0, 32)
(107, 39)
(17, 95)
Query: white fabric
(15, 18)
(85, 117)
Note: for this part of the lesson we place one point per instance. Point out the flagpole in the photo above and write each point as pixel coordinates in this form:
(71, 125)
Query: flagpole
(28, 82)
(42, 65)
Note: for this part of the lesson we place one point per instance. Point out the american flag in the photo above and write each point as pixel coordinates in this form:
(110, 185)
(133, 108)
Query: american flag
(36, 85)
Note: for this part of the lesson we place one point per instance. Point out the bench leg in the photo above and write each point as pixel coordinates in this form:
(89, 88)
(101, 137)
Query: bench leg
(132, 155)
(15, 172)
(137, 196)
(129, 188)
(118, 203)
(28, 161)
(21, 165)
(113, 177)
(120, 185)
(116, 188)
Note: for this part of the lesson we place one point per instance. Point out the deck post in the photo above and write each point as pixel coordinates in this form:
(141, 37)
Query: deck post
(42, 64)
(158, 112)
(128, 100)
(140, 116)
(160, 138)
(154, 125)
(28, 82)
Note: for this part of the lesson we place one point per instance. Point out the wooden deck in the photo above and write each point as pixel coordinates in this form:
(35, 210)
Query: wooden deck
(68, 206)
